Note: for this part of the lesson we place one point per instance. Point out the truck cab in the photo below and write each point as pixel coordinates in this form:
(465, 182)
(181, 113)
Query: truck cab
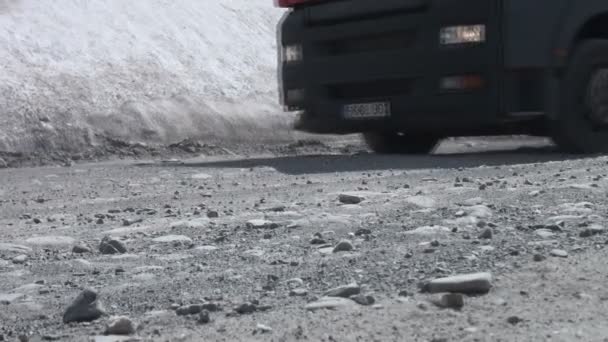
(407, 73)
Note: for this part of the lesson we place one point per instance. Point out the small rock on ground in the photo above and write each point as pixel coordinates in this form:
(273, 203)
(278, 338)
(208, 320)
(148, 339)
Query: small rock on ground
(344, 291)
(20, 259)
(343, 246)
(560, 253)
(450, 301)
(189, 310)
(110, 245)
(329, 303)
(263, 328)
(85, 308)
(203, 317)
(350, 199)
(121, 325)
(81, 249)
(363, 299)
(477, 283)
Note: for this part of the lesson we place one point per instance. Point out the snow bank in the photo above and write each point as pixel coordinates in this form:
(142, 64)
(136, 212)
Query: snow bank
(141, 70)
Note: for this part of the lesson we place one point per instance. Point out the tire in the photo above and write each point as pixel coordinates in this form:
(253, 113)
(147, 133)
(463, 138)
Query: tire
(396, 143)
(578, 126)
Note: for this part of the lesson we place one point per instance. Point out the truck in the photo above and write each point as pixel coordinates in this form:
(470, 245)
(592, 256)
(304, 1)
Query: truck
(409, 73)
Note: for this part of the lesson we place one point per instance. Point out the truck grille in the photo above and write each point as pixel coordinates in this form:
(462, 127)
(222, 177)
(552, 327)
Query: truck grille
(372, 89)
(378, 42)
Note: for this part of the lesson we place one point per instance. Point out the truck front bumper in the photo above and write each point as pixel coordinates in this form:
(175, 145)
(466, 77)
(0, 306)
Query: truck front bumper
(395, 58)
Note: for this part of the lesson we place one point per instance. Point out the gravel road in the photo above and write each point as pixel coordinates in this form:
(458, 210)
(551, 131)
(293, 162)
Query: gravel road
(308, 247)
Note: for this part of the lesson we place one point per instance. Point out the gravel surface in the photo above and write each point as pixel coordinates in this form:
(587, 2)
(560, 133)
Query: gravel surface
(301, 246)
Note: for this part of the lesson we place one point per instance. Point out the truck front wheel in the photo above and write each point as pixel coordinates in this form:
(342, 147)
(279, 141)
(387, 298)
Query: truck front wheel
(581, 124)
(400, 143)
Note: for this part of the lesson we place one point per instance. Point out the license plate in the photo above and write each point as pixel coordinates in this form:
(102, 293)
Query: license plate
(370, 110)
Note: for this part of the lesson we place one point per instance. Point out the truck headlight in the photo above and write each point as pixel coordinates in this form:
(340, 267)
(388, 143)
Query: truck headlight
(469, 34)
(293, 53)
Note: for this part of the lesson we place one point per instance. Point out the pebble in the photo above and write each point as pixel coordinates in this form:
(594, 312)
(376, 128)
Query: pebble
(263, 328)
(539, 257)
(110, 245)
(477, 283)
(189, 310)
(213, 214)
(560, 253)
(317, 241)
(329, 303)
(350, 199)
(85, 308)
(203, 317)
(120, 325)
(81, 249)
(363, 299)
(486, 234)
(173, 239)
(245, 308)
(261, 224)
(343, 246)
(363, 231)
(514, 320)
(450, 301)
(592, 231)
(298, 292)
(20, 259)
(344, 291)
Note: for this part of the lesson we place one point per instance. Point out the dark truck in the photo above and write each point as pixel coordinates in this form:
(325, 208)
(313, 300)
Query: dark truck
(407, 73)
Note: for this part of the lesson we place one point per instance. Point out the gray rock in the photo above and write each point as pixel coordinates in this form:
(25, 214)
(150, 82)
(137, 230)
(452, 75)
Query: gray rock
(81, 249)
(330, 303)
(450, 301)
(85, 308)
(211, 307)
(592, 231)
(344, 291)
(350, 199)
(173, 239)
(213, 214)
(261, 224)
(204, 317)
(263, 328)
(245, 308)
(560, 253)
(20, 259)
(298, 292)
(363, 299)
(477, 283)
(121, 325)
(110, 245)
(539, 257)
(486, 234)
(8, 298)
(343, 246)
(189, 309)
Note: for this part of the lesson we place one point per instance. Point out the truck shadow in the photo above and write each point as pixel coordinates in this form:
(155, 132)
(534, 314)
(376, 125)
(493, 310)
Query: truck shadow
(311, 164)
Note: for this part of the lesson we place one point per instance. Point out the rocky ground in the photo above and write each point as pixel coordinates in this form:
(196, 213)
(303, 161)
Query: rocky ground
(308, 242)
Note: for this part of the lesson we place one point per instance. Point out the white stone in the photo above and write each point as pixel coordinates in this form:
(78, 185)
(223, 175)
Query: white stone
(172, 238)
(330, 303)
(464, 283)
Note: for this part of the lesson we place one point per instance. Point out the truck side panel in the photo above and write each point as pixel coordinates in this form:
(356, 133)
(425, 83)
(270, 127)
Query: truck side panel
(529, 31)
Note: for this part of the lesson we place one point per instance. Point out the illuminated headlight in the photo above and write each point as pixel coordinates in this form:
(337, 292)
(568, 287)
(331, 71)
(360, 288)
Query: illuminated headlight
(293, 53)
(470, 34)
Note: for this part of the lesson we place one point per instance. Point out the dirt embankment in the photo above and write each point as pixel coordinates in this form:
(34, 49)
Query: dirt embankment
(75, 74)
